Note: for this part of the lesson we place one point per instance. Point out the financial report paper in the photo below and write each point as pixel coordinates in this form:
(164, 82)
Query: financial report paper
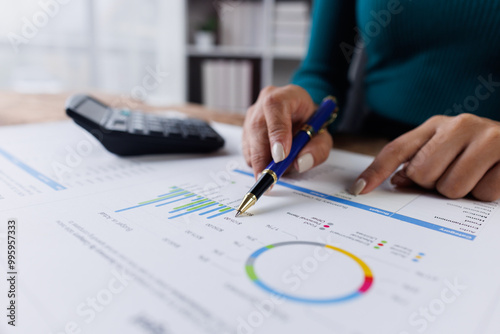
(152, 245)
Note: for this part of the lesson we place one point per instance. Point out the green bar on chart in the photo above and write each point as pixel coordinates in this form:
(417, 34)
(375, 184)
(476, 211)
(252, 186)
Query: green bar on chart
(164, 197)
(181, 207)
(226, 209)
(200, 206)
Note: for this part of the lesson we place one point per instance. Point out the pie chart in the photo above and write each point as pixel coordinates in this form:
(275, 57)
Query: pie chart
(309, 272)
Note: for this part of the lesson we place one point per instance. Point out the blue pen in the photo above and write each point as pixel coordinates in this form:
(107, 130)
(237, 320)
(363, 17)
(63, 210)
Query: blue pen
(325, 115)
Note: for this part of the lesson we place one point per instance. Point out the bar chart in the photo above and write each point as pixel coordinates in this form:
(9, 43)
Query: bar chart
(181, 202)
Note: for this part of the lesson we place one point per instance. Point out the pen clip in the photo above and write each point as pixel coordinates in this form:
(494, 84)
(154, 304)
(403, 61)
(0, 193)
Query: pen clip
(309, 129)
(333, 116)
(330, 120)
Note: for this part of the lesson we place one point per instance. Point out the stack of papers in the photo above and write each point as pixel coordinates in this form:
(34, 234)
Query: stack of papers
(152, 245)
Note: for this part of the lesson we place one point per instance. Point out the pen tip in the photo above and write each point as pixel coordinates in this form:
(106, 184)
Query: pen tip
(238, 214)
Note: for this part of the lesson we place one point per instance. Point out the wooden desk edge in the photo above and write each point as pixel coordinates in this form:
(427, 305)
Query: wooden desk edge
(20, 108)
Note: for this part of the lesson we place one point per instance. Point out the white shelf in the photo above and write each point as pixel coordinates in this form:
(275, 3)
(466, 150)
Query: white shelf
(289, 53)
(226, 51)
(276, 63)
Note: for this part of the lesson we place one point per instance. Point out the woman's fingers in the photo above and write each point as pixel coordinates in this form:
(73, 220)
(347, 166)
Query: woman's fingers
(315, 152)
(267, 131)
(400, 150)
(471, 166)
(278, 115)
(256, 144)
(432, 160)
(454, 155)
(488, 189)
(400, 179)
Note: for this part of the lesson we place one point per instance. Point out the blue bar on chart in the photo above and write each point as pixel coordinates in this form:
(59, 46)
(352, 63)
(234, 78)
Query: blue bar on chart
(365, 207)
(222, 209)
(36, 174)
(221, 212)
(193, 204)
(172, 194)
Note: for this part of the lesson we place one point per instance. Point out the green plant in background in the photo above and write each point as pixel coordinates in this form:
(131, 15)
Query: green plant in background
(209, 25)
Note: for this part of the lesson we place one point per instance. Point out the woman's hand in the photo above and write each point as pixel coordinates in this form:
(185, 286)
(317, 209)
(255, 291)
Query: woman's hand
(454, 155)
(270, 124)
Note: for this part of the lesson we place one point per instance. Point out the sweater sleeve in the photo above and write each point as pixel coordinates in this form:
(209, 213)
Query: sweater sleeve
(323, 72)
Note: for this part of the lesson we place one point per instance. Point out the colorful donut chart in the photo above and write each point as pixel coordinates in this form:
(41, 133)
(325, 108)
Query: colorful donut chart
(365, 286)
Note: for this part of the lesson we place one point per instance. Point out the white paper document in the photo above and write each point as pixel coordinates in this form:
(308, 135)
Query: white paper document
(152, 245)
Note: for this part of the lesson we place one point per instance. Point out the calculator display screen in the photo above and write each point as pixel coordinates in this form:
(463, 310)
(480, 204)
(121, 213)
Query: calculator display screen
(92, 110)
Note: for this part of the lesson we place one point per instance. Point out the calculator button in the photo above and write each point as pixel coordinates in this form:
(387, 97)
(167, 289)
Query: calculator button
(191, 130)
(153, 119)
(184, 131)
(116, 123)
(119, 127)
(173, 131)
(156, 130)
(155, 126)
(137, 127)
(125, 112)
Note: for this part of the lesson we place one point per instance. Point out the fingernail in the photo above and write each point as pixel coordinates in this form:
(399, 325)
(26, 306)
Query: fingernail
(358, 187)
(278, 152)
(305, 162)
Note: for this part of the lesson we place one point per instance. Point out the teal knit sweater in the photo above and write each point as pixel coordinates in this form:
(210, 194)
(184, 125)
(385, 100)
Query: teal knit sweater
(425, 57)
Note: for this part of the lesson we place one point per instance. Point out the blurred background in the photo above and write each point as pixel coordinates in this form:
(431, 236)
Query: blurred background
(219, 53)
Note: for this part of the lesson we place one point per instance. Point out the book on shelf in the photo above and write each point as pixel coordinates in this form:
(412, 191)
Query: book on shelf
(294, 9)
(241, 23)
(227, 84)
(291, 24)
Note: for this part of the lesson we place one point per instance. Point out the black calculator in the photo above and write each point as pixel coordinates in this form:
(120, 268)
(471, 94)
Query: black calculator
(126, 132)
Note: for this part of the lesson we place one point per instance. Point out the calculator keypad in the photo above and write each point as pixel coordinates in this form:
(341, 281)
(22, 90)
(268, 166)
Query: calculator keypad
(131, 132)
(145, 124)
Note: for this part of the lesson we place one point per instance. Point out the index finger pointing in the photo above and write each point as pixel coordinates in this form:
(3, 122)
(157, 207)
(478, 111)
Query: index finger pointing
(391, 157)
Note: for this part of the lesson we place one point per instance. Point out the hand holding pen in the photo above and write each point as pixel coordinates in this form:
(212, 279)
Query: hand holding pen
(454, 155)
(322, 117)
(271, 123)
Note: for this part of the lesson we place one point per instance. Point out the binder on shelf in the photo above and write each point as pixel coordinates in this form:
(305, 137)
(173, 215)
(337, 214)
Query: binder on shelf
(295, 9)
(245, 100)
(235, 85)
(221, 83)
(227, 84)
(208, 73)
(291, 25)
(241, 24)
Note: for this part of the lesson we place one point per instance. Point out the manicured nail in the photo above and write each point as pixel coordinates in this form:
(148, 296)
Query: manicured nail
(305, 162)
(358, 187)
(278, 152)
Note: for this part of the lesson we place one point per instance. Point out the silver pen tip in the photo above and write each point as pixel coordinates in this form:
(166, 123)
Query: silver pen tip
(238, 214)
